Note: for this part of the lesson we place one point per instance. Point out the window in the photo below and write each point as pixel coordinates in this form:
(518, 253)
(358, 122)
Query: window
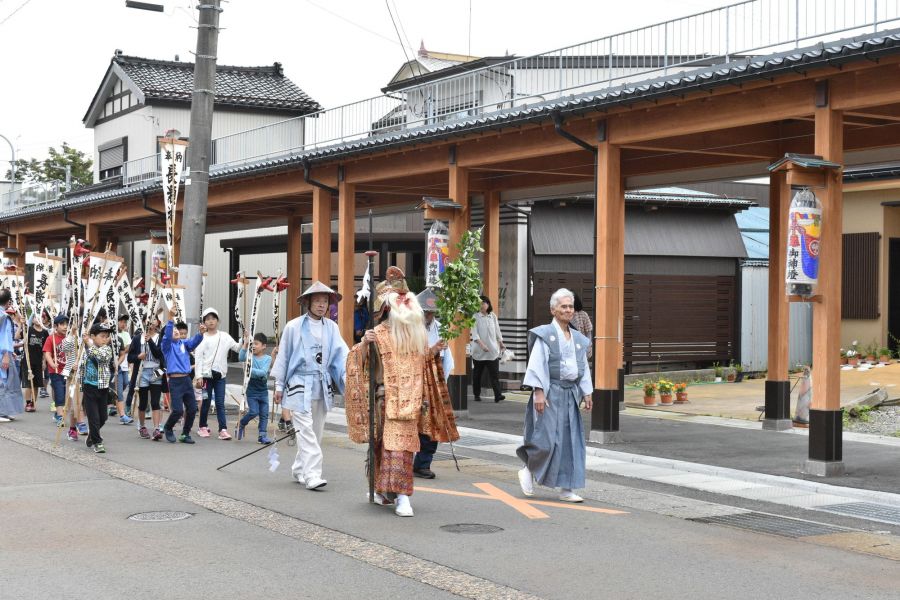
(113, 155)
(859, 277)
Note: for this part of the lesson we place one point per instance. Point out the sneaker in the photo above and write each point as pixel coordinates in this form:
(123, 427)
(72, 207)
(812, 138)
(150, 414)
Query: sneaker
(99, 449)
(526, 481)
(265, 440)
(144, 433)
(224, 435)
(112, 411)
(185, 439)
(203, 432)
(82, 428)
(570, 496)
(282, 424)
(170, 436)
(58, 420)
(29, 406)
(240, 433)
(43, 393)
(4, 419)
(126, 420)
(316, 483)
(73, 434)
(157, 435)
(88, 442)
(404, 508)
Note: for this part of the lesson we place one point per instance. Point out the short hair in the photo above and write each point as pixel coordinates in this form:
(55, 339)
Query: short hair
(181, 326)
(490, 306)
(261, 338)
(578, 304)
(559, 295)
(101, 314)
(122, 318)
(5, 296)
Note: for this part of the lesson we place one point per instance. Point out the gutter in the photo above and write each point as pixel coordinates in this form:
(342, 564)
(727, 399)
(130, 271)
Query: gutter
(311, 181)
(148, 208)
(70, 221)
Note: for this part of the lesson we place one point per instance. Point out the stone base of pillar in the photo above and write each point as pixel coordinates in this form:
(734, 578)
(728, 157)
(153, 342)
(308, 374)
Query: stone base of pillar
(605, 413)
(778, 400)
(458, 386)
(777, 424)
(823, 468)
(461, 414)
(606, 437)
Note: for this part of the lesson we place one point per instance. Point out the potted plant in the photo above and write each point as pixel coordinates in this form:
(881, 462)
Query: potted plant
(739, 372)
(853, 355)
(718, 370)
(649, 394)
(843, 356)
(731, 373)
(665, 392)
(884, 355)
(681, 393)
(870, 352)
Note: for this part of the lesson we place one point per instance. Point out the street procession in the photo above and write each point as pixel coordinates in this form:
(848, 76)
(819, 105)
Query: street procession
(471, 299)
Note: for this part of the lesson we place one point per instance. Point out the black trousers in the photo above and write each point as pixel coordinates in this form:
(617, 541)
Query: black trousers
(493, 370)
(94, 402)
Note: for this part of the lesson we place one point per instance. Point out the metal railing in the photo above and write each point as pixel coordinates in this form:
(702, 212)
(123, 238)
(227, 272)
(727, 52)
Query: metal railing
(707, 39)
(26, 195)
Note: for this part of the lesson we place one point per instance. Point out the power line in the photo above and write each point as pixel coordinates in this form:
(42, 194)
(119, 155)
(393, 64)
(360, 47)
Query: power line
(406, 37)
(402, 47)
(355, 24)
(10, 15)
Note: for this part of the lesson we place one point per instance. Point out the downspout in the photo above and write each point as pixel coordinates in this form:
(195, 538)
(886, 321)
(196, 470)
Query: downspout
(70, 221)
(149, 208)
(311, 181)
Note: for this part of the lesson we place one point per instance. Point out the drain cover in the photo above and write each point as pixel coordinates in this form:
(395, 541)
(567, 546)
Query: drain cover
(471, 528)
(866, 510)
(772, 524)
(471, 440)
(161, 516)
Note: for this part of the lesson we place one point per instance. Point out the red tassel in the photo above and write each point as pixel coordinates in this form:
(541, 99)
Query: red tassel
(282, 284)
(266, 284)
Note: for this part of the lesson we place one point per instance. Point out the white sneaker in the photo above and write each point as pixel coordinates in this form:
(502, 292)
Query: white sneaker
(315, 483)
(404, 508)
(380, 500)
(570, 496)
(526, 481)
(299, 479)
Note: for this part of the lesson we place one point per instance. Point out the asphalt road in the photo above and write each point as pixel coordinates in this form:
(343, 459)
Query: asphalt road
(255, 534)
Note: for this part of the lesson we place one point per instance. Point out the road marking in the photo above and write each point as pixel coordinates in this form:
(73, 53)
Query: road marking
(526, 507)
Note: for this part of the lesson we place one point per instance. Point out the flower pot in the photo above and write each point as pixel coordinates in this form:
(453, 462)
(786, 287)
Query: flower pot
(843, 360)
(853, 361)
(884, 359)
(731, 377)
(681, 398)
(718, 379)
(665, 399)
(870, 358)
(649, 400)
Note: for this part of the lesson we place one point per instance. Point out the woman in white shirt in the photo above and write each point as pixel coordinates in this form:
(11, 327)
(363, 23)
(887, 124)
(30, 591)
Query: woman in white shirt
(487, 344)
(211, 365)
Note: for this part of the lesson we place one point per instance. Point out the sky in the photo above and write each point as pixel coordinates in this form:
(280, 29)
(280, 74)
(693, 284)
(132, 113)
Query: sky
(54, 53)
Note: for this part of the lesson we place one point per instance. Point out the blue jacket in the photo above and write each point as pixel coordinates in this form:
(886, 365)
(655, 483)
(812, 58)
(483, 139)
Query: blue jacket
(259, 371)
(177, 352)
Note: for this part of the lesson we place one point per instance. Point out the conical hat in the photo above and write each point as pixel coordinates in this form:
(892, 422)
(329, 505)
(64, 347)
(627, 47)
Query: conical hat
(427, 300)
(319, 288)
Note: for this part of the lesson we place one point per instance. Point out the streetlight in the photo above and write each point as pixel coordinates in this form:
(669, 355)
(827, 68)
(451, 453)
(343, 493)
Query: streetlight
(144, 6)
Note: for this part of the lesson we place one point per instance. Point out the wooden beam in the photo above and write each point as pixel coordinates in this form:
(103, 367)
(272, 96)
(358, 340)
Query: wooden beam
(396, 165)
(827, 314)
(522, 144)
(22, 247)
(779, 308)
(92, 235)
(459, 193)
(346, 247)
(610, 252)
(865, 88)
(321, 234)
(294, 262)
(492, 246)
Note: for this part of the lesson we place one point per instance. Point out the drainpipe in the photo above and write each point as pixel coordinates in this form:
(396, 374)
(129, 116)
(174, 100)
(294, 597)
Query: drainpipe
(149, 208)
(311, 181)
(70, 221)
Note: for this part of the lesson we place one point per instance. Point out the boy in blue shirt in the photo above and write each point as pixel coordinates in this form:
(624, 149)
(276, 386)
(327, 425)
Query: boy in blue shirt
(257, 388)
(176, 350)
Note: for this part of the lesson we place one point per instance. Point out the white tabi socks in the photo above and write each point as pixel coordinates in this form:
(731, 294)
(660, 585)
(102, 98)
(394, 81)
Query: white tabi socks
(404, 508)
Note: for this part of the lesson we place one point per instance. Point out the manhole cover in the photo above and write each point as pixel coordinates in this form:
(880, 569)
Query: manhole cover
(471, 528)
(866, 510)
(161, 516)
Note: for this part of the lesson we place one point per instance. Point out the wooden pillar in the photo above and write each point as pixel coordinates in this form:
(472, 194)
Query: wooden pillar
(459, 223)
(492, 246)
(21, 246)
(294, 259)
(609, 276)
(346, 250)
(321, 236)
(825, 433)
(92, 236)
(778, 387)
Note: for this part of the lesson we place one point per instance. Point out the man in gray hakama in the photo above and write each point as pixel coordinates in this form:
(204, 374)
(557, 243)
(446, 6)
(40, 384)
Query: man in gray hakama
(553, 449)
(12, 402)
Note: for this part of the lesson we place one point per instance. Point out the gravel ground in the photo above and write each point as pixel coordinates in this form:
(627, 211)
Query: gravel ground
(881, 421)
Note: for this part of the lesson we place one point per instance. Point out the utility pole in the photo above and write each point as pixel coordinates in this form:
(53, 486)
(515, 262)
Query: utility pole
(193, 225)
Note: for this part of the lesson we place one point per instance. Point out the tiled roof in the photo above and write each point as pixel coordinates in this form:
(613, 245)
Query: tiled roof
(256, 87)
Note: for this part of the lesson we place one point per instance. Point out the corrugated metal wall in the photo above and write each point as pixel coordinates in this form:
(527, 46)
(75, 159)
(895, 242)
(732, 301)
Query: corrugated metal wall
(755, 321)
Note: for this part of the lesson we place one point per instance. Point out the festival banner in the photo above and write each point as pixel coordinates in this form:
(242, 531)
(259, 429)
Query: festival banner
(173, 296)
(102, 271)
(46, 275)
(171, 159)
(436, 253)
(239, 310)
(126, 294)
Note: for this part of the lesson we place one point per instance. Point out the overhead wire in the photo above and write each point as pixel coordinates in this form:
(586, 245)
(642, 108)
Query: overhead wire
(10, 15)
(354, 23)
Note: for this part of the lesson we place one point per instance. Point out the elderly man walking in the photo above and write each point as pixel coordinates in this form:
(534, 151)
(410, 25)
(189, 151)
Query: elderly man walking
(312, 358)
(553, 449)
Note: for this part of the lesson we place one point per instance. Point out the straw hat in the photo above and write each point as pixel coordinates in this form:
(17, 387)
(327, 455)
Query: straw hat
(427, 300)
(319, 288)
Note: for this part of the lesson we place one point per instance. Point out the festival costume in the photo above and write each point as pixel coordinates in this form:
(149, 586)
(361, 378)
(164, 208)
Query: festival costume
(310, 363)
(12, 401)
(553, 448)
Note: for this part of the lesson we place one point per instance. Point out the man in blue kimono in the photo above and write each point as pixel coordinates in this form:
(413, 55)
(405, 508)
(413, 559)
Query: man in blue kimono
(311, 361)
(553, 449)
(12, 402)
(428, 302)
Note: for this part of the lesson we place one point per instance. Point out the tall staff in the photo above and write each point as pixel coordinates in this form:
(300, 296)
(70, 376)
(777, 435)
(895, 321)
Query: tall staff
(370, 267)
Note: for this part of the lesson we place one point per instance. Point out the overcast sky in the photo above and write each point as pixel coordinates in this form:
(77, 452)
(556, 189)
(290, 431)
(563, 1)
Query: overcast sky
(54, 53)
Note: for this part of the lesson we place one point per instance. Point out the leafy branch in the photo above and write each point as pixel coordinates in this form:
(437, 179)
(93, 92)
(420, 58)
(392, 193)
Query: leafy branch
(460, 297)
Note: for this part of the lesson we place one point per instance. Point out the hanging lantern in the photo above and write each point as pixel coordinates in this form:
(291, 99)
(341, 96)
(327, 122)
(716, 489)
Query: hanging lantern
(804, 231)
